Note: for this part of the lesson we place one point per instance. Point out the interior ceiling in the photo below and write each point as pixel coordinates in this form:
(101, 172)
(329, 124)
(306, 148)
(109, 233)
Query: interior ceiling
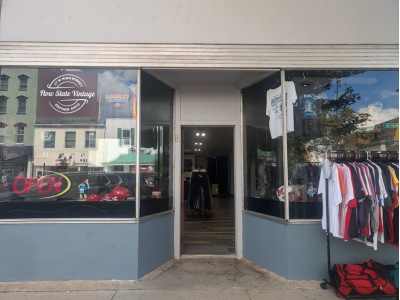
(239, 78)
(218, 141)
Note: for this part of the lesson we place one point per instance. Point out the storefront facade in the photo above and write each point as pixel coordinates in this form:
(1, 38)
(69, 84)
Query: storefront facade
(131, 95)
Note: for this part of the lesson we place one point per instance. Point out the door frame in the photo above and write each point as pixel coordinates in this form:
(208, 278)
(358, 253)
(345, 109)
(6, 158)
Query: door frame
(238, 168)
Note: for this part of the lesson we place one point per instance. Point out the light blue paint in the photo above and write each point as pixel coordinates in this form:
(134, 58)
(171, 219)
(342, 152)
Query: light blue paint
(156, 243)
(35, 252)
(41, 252)
(299, 252)
(265, 243)
(308, 252)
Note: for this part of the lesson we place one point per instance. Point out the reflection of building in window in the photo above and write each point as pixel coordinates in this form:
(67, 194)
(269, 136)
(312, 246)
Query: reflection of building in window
(126, 135)
(4, 82)
(23, 82)
(387, 137)
(3, 104)
(49, 139)
(90, 139)
(22, 104)
(20, 135)
(70, 139)
(118, 168)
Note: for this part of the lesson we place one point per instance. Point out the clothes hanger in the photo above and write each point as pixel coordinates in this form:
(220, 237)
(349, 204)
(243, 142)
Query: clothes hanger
(277, 81)
(305, 82)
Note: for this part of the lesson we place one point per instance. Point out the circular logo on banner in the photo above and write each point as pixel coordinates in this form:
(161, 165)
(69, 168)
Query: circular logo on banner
(69, 81)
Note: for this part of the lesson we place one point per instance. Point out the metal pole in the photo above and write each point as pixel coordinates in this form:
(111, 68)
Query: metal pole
(138, 129)
(285, 162)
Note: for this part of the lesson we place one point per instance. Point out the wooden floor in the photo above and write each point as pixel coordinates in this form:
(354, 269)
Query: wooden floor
(215, 227)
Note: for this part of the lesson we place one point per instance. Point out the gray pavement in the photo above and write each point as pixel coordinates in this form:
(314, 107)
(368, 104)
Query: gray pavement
(201, 278)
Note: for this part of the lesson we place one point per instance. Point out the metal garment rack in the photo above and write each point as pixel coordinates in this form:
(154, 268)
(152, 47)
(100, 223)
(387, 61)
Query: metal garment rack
(329, 282)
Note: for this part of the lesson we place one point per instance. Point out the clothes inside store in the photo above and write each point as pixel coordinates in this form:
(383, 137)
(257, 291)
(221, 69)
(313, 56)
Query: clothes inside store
(209, 219)
(353, 116)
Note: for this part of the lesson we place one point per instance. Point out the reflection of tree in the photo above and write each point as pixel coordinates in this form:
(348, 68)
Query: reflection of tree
(338, 118)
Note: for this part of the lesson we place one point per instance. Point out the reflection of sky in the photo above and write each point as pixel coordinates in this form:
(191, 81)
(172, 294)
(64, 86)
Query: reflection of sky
(373, 86)
(377, 89)
(124, 78)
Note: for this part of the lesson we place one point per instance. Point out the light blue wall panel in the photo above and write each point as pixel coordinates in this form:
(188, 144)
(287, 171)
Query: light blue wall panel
(38, 252)
(265, 243)
(307, 252)
(156, 243)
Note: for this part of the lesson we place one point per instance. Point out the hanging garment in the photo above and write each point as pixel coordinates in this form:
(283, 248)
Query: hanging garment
(199, 186)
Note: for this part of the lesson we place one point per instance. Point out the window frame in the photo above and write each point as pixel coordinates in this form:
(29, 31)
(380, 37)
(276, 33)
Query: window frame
(19, 134)
(21, 99)
(87, 140)
(4, 78)
(126, 141)
(67, 140)
(44, 142)
(3, 100)
(23, 86)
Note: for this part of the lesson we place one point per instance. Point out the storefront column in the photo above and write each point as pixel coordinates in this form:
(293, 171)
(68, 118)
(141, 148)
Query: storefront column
(138, 135)
(285, 162)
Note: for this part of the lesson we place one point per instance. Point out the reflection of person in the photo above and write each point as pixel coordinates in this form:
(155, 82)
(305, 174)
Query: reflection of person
(83, 189)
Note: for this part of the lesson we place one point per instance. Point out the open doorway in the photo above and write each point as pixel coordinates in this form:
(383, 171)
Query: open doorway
(208, 191)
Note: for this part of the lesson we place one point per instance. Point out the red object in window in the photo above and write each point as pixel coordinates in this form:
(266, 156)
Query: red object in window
(94, 197)
(119, 193)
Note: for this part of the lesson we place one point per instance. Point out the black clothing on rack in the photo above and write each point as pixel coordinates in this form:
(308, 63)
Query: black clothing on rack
(199, 191)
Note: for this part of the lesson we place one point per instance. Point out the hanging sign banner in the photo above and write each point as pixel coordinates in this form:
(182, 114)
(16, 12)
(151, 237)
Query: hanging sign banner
(67, 94)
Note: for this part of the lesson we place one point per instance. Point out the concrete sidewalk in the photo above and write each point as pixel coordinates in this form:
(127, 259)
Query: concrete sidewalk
(201, 278)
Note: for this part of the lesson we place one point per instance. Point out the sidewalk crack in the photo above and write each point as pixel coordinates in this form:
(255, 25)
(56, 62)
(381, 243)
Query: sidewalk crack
(114, 294)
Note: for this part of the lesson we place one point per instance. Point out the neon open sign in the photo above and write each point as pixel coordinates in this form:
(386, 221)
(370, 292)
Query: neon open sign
(43, 185)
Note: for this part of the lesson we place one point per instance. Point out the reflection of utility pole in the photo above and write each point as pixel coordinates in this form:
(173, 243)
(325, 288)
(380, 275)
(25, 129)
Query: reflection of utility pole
(337, 88)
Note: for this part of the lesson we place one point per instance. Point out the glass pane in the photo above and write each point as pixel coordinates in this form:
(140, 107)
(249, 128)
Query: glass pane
(64, 150)
(340, 111)
(155, 152)
(263, 146)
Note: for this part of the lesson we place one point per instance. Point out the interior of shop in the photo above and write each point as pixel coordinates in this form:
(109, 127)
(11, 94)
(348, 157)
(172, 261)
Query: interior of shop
(209, 219)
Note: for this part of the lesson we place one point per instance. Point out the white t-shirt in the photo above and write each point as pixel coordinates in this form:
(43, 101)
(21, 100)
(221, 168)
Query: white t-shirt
(274, 109)
(335, 198)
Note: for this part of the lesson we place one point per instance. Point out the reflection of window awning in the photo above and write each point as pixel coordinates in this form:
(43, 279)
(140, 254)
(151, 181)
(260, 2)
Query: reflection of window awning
(131, 159)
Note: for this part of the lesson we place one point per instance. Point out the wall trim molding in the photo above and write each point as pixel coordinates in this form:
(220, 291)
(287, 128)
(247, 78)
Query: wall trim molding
(209, 56)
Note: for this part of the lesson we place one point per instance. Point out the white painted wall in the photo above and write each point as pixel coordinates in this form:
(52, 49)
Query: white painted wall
(202, 21)
(208, 103)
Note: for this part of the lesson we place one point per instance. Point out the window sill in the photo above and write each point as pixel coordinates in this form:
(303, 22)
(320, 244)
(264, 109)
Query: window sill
(21, 113)
(1, 113)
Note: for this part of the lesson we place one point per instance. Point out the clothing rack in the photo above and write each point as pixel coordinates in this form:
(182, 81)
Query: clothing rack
(329, 282)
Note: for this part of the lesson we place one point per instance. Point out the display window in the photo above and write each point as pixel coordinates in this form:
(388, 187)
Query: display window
(351, 117)
(69, 148)
(355, 113)
(263, 146)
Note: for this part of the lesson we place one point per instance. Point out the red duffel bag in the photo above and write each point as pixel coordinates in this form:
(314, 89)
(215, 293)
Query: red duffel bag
(367, 278)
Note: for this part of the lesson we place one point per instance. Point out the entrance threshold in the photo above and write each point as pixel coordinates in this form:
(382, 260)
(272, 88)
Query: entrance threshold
(197, 256)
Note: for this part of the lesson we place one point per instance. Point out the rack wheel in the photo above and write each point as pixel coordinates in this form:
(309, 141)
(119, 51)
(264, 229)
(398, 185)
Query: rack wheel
(323, 285)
